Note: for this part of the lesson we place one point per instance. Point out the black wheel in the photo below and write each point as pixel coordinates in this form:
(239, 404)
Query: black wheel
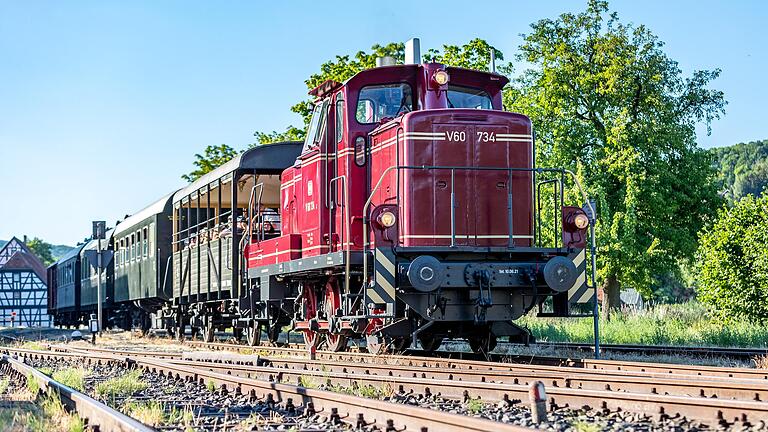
(483, 344)
(253, 334)
(146, 325)
(208, 330)
(170, 329)
(273, 333)
(237, 334)
(430, 342)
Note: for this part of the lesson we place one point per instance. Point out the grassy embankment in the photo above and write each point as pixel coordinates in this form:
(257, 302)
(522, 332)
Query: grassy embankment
(677, 324)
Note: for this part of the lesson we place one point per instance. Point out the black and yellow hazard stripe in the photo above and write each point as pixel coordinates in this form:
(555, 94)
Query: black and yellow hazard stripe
(580, 292)
(382, 290)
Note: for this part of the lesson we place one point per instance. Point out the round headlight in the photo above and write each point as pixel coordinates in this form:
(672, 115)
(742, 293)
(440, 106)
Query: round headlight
(581, 221)
(386, 219)
(441, 77)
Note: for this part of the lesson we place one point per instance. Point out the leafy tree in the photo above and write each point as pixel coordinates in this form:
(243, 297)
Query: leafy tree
(733, 261)
(474, 55)
(291, 134)
(213, 157)
(609, 104)
(42, 249)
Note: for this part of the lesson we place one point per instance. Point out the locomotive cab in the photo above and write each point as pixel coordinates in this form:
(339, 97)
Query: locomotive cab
(413, 214)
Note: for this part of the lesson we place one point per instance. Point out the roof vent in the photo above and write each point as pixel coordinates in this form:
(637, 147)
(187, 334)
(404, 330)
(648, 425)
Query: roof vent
(413, 51)
(385, 61)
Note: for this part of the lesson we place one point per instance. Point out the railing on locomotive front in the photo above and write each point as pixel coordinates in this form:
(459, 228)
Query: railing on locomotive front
(558, 203)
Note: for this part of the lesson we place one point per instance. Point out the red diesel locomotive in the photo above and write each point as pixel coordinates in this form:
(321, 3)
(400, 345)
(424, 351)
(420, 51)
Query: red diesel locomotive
(409, 216)
(413, 212)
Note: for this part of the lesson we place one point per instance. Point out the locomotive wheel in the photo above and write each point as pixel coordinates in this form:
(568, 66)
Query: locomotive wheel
(483, 344)
(309, 299)
(430, 342)
(253, 334)
(331, 303)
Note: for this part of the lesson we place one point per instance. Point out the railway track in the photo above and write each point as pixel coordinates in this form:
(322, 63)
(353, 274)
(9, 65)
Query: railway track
(692, 351)
(716, 396)
(97, 415)
(357, 412)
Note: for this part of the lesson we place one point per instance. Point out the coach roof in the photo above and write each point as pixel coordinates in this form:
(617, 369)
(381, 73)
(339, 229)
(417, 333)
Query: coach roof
(148, 211)
(266, 158)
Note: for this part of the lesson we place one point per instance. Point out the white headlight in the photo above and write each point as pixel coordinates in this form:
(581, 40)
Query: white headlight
(386, 219)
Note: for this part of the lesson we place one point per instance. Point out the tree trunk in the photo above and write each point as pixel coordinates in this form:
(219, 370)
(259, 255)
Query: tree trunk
(611, 295)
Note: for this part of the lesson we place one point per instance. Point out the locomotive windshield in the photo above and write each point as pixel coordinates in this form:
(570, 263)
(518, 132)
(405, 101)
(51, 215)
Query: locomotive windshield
(316, 126)
(467, 97)
(379, 101)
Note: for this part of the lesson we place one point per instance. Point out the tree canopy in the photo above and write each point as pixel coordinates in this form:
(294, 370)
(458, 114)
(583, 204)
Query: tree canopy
(212, 157)
(732, 261)
(608, 103)
(42, 249)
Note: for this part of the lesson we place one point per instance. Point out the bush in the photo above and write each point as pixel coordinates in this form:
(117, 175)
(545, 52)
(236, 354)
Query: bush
(732, 263)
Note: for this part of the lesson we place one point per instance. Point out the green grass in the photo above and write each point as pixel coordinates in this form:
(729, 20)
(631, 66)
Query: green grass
(47, 416)
(71, 377)
(365, 390)
(123, 386)
(211, 386)
(474, 406)
(33, 345)
(32, 385)
(581, 426)
(4, 385)
(154, 413)
(675, 324)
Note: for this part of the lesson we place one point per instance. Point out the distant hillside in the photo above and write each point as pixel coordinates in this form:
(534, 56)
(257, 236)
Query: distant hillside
(743, 168)
(59, 251)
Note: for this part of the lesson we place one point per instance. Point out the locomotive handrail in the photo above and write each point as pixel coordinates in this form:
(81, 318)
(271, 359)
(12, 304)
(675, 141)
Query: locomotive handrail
(561, 171)
(345, 215)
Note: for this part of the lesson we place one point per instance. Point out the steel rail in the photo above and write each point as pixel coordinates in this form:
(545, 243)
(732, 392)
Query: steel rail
(512, 362)
(685, 383)
(99, 417)
(699, 351)
(358, 410)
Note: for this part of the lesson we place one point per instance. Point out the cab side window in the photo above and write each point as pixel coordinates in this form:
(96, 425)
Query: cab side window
(377, 102)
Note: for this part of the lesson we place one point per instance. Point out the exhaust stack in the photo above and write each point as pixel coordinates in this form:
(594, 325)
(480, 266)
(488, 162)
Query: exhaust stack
(413, 51)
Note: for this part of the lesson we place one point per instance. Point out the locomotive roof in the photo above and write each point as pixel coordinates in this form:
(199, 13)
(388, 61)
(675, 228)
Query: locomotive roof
(266, 158)
(92, 244)
(148, 211)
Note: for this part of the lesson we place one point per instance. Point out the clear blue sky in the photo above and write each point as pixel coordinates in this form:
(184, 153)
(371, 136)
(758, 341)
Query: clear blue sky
(103, 104)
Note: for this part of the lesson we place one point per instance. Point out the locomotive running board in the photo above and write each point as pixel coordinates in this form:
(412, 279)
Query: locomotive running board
(308, 264)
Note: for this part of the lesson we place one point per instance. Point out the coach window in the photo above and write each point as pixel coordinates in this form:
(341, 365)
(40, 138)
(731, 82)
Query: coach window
(377, 102)
(133, 247)
(146, 242)
(152, 239)
(138, 245)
